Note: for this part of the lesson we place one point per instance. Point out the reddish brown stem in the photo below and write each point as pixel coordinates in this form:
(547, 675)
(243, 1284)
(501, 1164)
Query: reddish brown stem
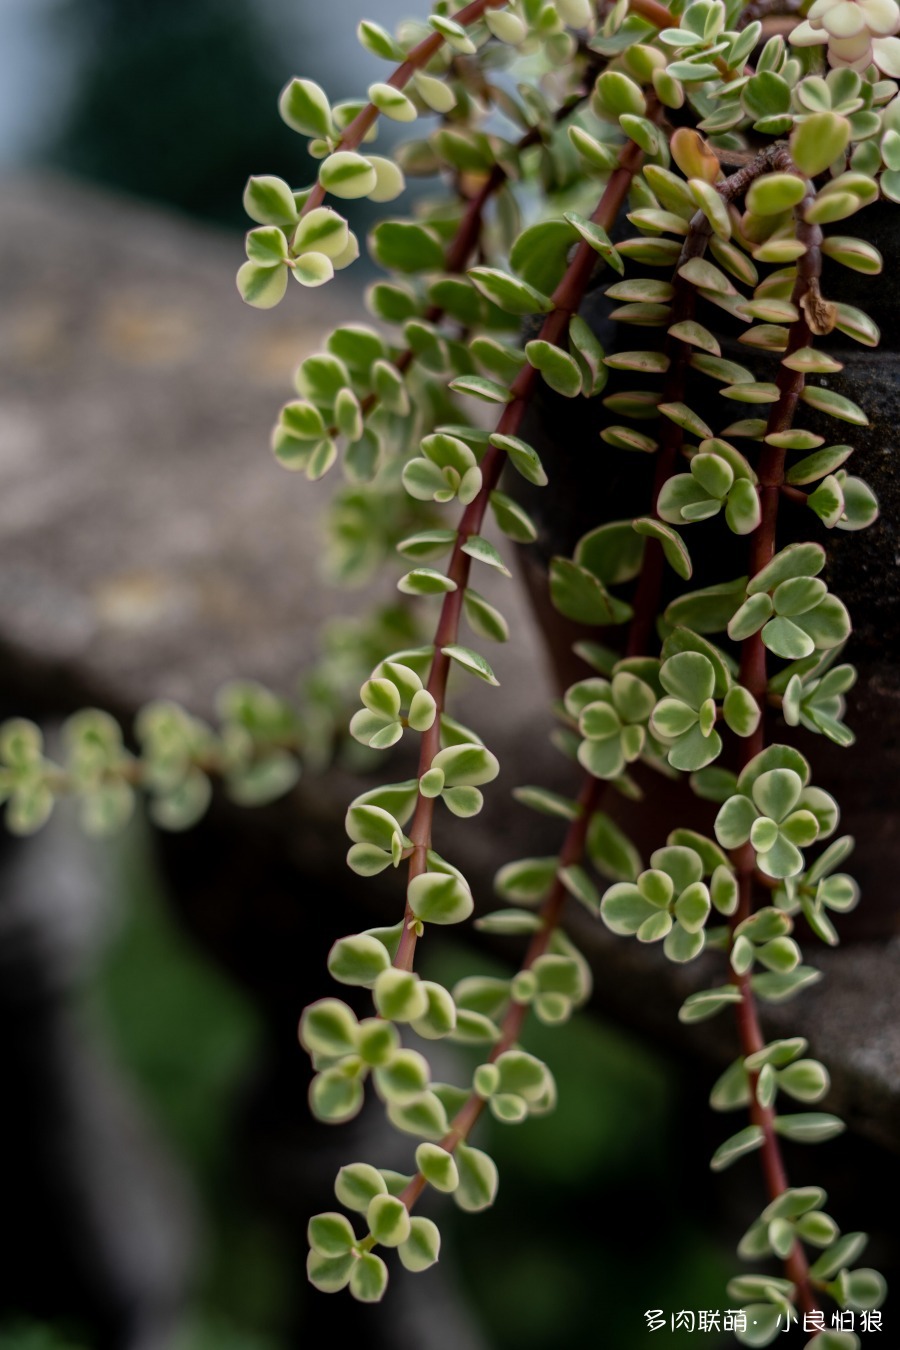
(461, 249)
(566, 299)
(646, 596)
(754, 677)
(653, 12)
(551, 910)
(417, 58)
(592, 789)
(646, 604)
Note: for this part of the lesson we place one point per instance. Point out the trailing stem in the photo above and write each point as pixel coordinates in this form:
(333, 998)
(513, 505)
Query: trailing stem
(754, 677)
(646, 605)
(417, 59)
(464, 243)
(566, 300)
(572, 851)
(672, 436)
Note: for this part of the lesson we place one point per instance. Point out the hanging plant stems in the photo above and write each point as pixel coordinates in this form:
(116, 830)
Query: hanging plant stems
(566, 300)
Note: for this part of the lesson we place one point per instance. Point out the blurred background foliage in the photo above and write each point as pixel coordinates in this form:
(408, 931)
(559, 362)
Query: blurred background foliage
(174, 101)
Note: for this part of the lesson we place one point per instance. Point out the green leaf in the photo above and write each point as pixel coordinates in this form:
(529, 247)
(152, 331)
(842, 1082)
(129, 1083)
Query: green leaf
(478, 1179)
(578, 883)
(863, 1288)
(347, 175)
(422, 1248)
(357, 1184)
(378, 41)
(425, 1117)
(388, 1220)
(598, 239)
(509, 293)
(329, 1274)
(378, 1042)
(773, 193)
(367, 823)
(522, 457)
(817, 141)
(812, 1127)
(706, 277)
(330, 1234)
(684, 417)
(305, 108)
(437, 898)
(476, 386)
(521, 1073)
(742, 510)
(406, 246)
(786, 639)
(425, 581)
(745, 1141)
(732, 1089)
(483, 551)
(175, 810)
(269, 201)
(472, 662)
(368, 1278)
(673, 546)
(540, 253)
(646, 362)
(322, 231)
(426, 545)
(262, 287)
(612, 552)
(440, 1017)
(624, 909)
(712, 205)
(614, 94)
(467, 764)
(509, 923)
(708, 610)
(764, 1321)
(437, 95)
(741, 711)
(358, 959)
(840, 1256)
(267, 246)
(559, 370)
(496, 357)
(578, 595)
(826, 400)
(453, 33)
(437, 1167)
(806, 1080)
(548, 803)
(707, 1002)
(860, 503)
(776, 987)
(527, 880)
(391, 101)
(484, 618)
(392, 302)
(797, 560)
(399, 997)
(328, 1027)
(320, 378)
(335, 1098)
(589, 356)
(512, 519)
